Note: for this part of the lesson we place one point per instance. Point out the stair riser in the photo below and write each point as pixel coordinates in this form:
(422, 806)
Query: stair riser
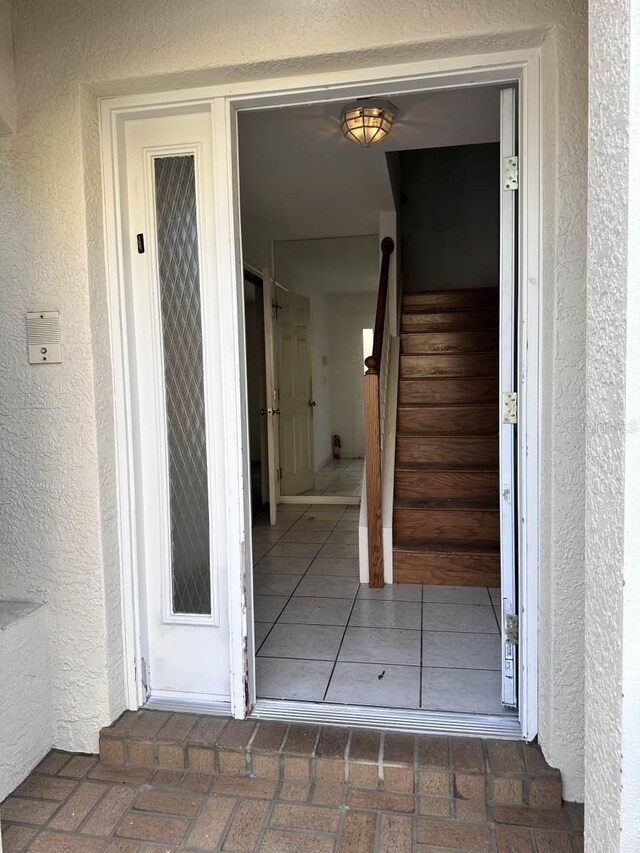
(480, 297)
(450, 569)
(474, 364)
(447, 342)
(459, 419)
(418, 525)
(470, 452)
(415, 485)
(450, 320)
(465, 390)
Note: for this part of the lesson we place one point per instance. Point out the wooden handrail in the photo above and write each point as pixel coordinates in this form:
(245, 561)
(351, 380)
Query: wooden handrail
(373, 361)
(373, 450)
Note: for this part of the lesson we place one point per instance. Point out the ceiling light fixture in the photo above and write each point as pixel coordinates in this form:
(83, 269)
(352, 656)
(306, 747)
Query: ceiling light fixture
(367, 121)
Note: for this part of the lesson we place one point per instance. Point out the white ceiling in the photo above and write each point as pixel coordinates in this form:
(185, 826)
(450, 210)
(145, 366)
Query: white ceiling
(300, 178)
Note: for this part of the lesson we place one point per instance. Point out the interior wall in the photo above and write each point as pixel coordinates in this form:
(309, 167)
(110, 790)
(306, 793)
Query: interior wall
(349, 314)
(450, 217)
(292, 275)
(8, 107)
(320, 269)
(58, 480)
(256, 378)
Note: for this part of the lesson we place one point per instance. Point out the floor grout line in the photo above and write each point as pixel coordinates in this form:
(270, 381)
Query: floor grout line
(292, 594)
(335, 663)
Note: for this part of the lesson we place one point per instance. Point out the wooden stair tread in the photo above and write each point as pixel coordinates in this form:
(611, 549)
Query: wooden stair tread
(484, 351)
(456, 404)
(446, 494)
(448, 546)
(457, 504)
(436, 467)
(435, 301)
(475, 437)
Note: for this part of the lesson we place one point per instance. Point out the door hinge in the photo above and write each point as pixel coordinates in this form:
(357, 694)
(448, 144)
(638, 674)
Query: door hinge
(510, 174)
(510, 408)
(511, 629)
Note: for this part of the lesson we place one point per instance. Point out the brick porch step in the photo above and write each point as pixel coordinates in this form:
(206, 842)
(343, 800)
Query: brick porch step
(498, 772)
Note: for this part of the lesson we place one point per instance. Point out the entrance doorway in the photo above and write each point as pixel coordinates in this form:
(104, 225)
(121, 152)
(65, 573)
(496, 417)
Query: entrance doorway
(232, 686)
(434, 638)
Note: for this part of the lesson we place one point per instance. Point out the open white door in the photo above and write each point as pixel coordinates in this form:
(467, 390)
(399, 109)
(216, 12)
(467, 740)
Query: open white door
(295, 401)
(271, 412)
(508, 399)
(173, 304)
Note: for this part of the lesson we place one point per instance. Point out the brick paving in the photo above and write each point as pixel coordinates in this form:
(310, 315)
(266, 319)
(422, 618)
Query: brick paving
(289, 788)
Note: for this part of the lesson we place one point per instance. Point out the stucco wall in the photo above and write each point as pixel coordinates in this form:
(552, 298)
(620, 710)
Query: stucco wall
(58, 532)
(613, 440)
(25, 683)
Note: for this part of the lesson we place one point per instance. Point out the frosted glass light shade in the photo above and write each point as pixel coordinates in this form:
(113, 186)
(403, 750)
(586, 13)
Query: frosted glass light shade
(367, 121)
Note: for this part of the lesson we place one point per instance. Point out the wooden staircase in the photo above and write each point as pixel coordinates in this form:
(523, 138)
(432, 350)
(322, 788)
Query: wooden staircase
(446, 527)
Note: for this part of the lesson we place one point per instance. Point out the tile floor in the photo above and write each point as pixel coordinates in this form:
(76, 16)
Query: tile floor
(322, 636)
(339, 477)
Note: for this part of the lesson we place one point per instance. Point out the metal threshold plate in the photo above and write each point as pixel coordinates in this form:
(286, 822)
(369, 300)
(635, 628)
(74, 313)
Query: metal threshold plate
(390, 719)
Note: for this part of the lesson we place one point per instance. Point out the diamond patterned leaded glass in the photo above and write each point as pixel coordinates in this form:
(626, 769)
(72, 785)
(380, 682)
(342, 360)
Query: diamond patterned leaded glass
(184, 385)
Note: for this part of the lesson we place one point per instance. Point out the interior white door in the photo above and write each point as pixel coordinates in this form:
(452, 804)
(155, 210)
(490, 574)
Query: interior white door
(295, 399)
(508, 386)
(273, 450)
(172, 312)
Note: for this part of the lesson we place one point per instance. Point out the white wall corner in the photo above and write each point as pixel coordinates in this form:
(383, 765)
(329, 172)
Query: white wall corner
(630, 767)
(8, 107)
(26, 733)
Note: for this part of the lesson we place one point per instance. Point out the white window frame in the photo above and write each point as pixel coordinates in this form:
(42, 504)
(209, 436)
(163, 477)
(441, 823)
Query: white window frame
(520, 67)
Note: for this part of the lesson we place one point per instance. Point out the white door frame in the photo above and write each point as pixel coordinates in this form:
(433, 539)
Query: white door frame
(521, 67)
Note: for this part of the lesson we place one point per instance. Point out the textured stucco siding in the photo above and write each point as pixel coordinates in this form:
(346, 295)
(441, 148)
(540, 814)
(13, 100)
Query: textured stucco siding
(25, 691)
(612, 740)
(59, 480)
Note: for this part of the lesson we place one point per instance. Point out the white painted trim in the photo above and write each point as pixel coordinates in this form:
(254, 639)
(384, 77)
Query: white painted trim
(389, 457)
(123, 427)
(437, 74)
(442, 73)
(507, 384)
(529, 391)
(341, 500)
(235, 415)
(363, 534)
(390, 719)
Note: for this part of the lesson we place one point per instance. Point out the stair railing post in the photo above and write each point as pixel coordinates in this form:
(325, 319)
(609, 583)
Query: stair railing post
(372, 443)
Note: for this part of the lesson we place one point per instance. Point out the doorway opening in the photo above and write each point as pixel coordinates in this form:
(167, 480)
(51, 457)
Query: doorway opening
(433, 638)
(162, 629)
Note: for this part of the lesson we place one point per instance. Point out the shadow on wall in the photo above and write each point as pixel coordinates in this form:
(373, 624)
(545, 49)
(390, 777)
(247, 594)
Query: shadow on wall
(450, 217)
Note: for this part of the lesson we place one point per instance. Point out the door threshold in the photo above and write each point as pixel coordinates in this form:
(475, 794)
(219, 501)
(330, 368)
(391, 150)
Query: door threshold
(189, 703)
(505, 727)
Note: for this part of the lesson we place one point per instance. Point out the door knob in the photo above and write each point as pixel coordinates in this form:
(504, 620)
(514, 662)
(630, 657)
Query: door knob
(263, 411)
(312, 403)
(276, 411)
